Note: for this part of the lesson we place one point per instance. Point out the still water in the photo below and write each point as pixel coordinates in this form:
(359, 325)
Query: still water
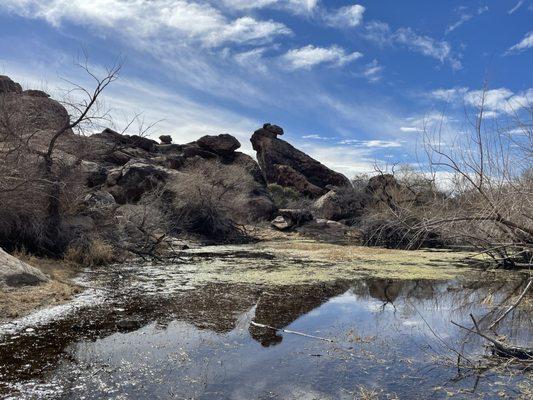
(152, 334)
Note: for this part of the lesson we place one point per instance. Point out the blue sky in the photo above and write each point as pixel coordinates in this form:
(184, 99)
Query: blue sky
(352, 83)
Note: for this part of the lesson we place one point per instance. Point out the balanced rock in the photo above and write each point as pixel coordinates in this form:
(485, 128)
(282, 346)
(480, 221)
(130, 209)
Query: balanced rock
(221, 144)
(285, 165)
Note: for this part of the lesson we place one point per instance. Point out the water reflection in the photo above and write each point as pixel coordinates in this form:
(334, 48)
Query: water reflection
(199, 343)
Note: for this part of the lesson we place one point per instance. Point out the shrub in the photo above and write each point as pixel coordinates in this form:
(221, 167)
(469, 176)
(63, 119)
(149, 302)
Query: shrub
(92, 252)
(211, 199)
(282, 196)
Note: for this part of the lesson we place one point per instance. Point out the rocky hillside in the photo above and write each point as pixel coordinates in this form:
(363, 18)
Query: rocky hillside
(131, 193)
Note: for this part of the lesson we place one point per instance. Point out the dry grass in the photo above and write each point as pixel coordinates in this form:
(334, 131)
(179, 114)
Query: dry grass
(17, 302)
(97, 252)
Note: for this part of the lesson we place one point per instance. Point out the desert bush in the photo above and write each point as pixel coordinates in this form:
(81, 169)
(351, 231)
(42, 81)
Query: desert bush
(90, 252)
(210, 199)
(387, 230)
(282, 195)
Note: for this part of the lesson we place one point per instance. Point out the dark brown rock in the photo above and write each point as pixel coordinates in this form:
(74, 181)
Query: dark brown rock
(165, 139)
(285, 165)
(222, 144)
(35, 93)
(8, 86)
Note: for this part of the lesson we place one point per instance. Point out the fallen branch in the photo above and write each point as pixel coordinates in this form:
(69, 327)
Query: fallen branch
(500, 348)
(513, 306)
(289, 331)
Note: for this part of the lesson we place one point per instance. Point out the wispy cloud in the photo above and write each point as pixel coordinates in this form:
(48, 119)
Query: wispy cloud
(372, 71)
(374, 143)
(409, 129)
(380, 33)
(345, 17)
(295, 6)
(524, 44)
(465, 17)
(494, 101)
(309, 56)
(166, 20)
(516, 7)
(449, 95)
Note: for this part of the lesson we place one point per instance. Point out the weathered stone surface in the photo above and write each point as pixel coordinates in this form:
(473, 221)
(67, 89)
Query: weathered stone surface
(298, 217)
(8, 86)
(281, 223)
(328, 230)
(35, 93)
(125, 141)
(14, 272)
(221, 144)
(285, 165)
(327, 206)
(136, 178)
(99, 199)
(288, 177)
(290, 218)
(383, 189)
(165, 139)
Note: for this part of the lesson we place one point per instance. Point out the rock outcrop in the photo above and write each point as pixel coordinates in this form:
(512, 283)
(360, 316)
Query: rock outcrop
(285, 165)
(14, 273)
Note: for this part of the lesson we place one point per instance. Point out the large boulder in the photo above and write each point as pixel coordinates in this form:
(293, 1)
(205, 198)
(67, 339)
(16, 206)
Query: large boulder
(221, 144)
(285, 165)
(384, 190)
(14, 272)
(128, 184)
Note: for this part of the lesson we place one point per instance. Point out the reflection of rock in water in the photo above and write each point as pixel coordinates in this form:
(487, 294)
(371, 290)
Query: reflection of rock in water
(279, 307)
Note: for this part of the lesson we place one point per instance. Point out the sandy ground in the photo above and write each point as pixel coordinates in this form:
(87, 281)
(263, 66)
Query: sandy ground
(17, 302)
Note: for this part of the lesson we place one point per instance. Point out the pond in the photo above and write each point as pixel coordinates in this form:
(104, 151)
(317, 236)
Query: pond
(183, 330)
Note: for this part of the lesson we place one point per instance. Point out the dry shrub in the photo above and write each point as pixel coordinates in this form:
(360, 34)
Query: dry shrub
(282, 195)
(93, 252)
(211, 199)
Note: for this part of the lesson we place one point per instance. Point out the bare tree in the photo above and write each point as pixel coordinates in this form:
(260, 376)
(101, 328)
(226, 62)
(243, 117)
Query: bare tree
(491, 198)
(32, 147)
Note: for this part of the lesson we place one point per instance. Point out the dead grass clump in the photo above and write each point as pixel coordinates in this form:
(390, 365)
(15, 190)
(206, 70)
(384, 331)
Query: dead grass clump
(92, 253)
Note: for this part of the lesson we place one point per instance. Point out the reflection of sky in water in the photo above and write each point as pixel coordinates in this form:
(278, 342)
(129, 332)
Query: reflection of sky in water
(183, 350)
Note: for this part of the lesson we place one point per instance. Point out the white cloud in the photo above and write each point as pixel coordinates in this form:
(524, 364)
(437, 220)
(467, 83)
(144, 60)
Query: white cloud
(409, 129)
(345, 17)
(449, 95)
(516, 7)
(380, 33)
(150, 20)
(252, 59)
(494, 101)
(374, 143)
(316, 137)
(524, 44)
(309, 56)
(296, 6)
(465, 17)
(347, 160)
(372, 71)
(440, 50)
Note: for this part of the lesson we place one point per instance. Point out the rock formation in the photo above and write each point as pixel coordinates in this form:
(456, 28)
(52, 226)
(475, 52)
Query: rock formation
(14, 272)
(285, 165)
